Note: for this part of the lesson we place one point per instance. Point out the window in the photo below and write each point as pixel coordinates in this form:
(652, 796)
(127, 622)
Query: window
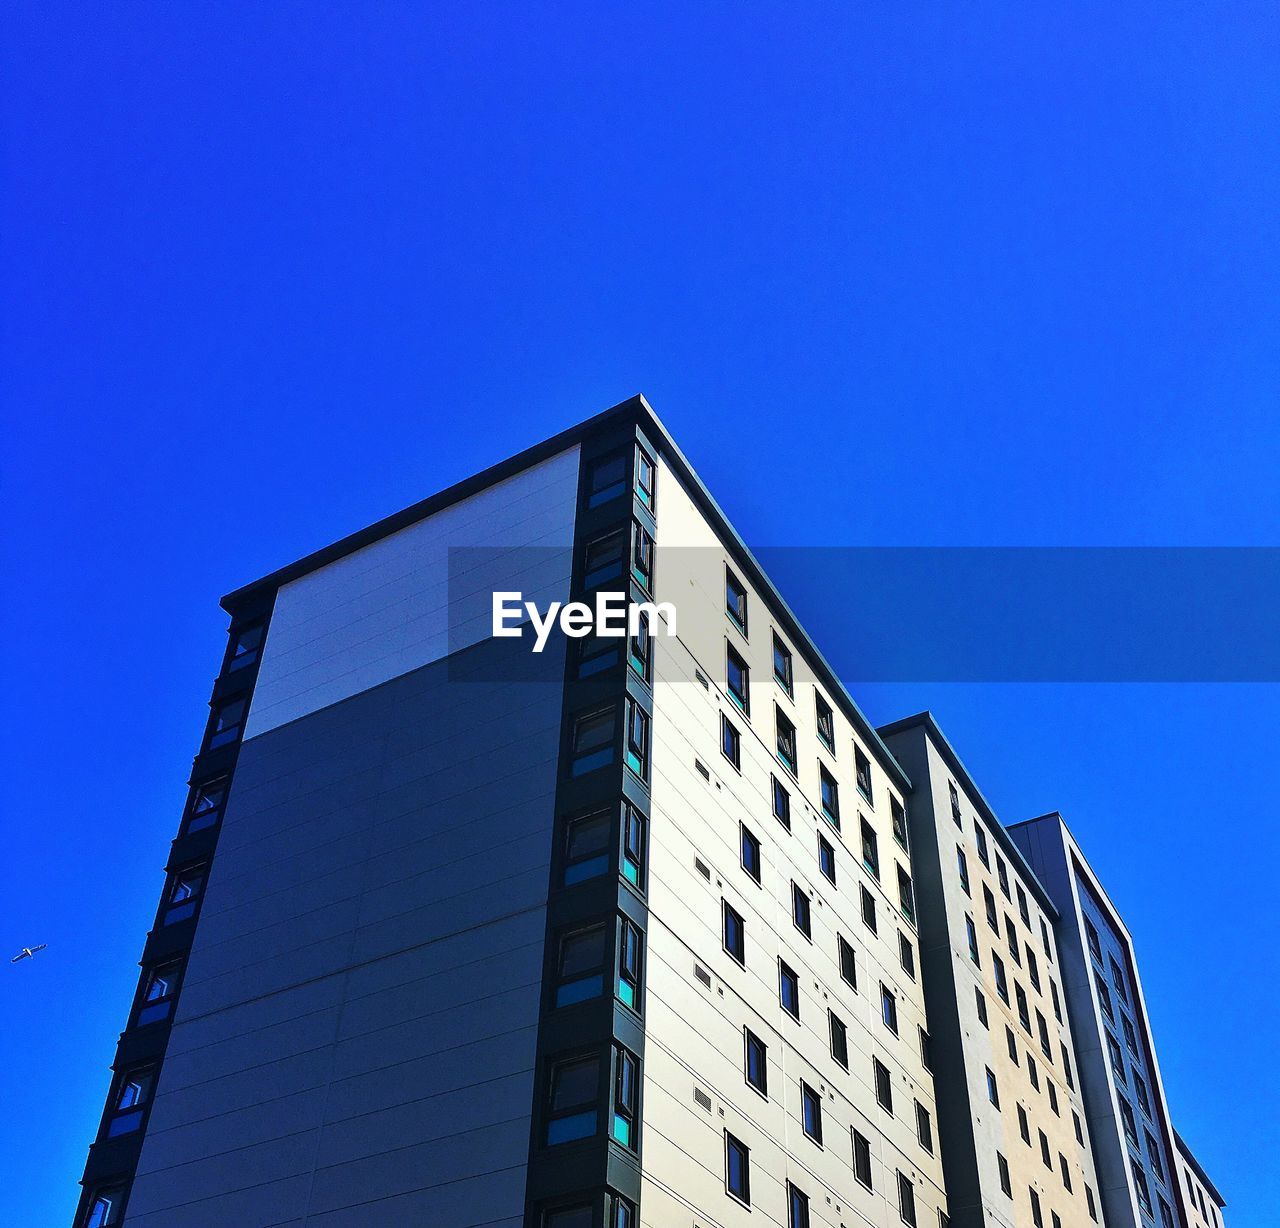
(737, 674)
(1033, 1074)
(884, 1085)
(862, 1159)
(839, 1039)
(1011, 1043)
(800, 911)
(592, 741)
(870, 848)
(1044, 940)
(735, 601)
(1130, 1037)
(1126, 1117)
(1042, 1029)
(1005, 1184)
(789, 989)
(606, 479)
(737, 1169)
(1037, 1217)
(597, 654)
(132, 1095)
(898, 818)
(1002, 984)
(781, 803)
(633, 829)
(982, 1007)
(1033, 969)
(641, 556)
(786, 740)
(624, 1214)
(1057, 1004)
(868, 908)
(962, 865)
(159, 992)
(862, 772)
(889, 1009)
(735, 932)
(1166, 1215)
(1015, 952)
(1002, 874)
(1140, 1186)
(581, 964)
(206, 804)
(906, 955)
(1079, 1128)
(1024, 1016)
(1117, 1058)
(1045, 1158)
(797, 1208)
(185, 888)
(1140, 1088)
(980, 837)
(830, 797)
(1117, 979)
(926, 1059)
(586, 853)
(1022, 905)
(826, 722)
(646, 478)
(848, 962)
(637, 756)
(104, 1210)
(1093, 1209)
(1065, 1169)
(1024, 1127)
(924, 1127)
(906, 897)
(782, 670)
(757, 1065)
(972, 935)
(630, 955)
(955, 802)
(989, 907)
(993, 1092)
(906, 1201)
(640, 649)
(1104, 997)
(602, 560)
(826, 859)
(227, 719)
(750, 852)
(811, 1112)
(1095, 947)
(626, 1092)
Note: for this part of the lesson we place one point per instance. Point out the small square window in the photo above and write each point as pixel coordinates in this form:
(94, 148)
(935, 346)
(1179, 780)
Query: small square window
(185, 889)
(782, 666)
(603, 560)
(246, 644)
(160, 990)
(606, 480)
(132, 1095)
(207, 801)
(581, 963)
(592, 742)
(586, 847)
(227, 720)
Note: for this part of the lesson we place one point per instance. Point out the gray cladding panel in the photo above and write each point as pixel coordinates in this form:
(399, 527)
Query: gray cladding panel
(355, 1039)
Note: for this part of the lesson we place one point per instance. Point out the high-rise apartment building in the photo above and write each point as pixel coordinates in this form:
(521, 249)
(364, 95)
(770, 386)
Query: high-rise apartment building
(1203, 1204)
(642, 929)
(1014, 1146)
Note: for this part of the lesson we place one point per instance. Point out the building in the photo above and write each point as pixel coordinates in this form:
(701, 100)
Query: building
(1133, 1137)
(1203, 1204)
(457, 933)
(1014, 1146)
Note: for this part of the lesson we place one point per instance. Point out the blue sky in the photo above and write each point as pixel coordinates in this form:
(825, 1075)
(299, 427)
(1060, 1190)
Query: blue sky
(911, 274)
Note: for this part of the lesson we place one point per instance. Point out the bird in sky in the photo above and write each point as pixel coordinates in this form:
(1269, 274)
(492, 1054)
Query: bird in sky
(27, 953)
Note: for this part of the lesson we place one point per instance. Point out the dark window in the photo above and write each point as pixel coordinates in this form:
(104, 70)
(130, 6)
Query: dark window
(1002, 983)
(827, 859)
(789, 989)
(906, 896)
(868, 908)
(862, 1159)
(848, 962)
(750, 852)
(781, 803)
(1002, 874)
(624, 1214)
(630, 958)
(1044, 940)
(246, 644)
(1066, 1068)
(1036, 1217)
(1033, 968)
(898, 817)
(1042, 1028)
(926, 1058)
(735, 601)
(227, 719)
(955, 802)
(870, 848)
(1092, 934)
(1117, 1058)
(633, 846)
(981, 1007)
(884, 1084)
(735, 933)
(1130, 1036)
(1022, 905)
(1093, 1209)
(730, 742)
(581, 964)
(801, 913)
(862, 769)
(586, 853)
(1015, 952)
(606, 479)
(640, 649)
(906, 955)
(592, 742)
(1032, 1073)
(185, 889)
(603, 560)
(989, 906)
(757, 1065)
(980, 836)
(993, 1092)
(906, 1201)
(786, 740)
(597, 654)
(1117, 979)
(206, 804)
(826, 723)
(1104, 996)
(626, 1092)
(1024, 1015)
(830, 797)
(962, 865)
(159, 992)
(105, 1208)
(646, 479)
(811, 1112)
(839, 1039)
(1011, 1043)
(1065, 1169)
(1003, 1166)
(637, 749)
(889, 1009)
(782, 670)
(1140, 1088)
(797, 1208)
(132, 1095)
(924, 1127)
(737, 1168)
(1045, 1158)
(1024, 1127)
(737, 675)
(1166, 1215)
(972, 935)
(1053, 1100)
(1140, 1186)
(1057, 1004)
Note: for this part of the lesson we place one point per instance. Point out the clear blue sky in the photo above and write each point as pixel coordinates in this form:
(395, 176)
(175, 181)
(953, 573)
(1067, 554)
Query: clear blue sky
(916, 274)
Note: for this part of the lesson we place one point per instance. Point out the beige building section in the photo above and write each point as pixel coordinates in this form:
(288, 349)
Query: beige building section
(701, 999)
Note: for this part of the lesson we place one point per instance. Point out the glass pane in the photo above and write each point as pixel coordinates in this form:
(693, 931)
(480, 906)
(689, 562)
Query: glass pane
(575, 1083)
(582, 952)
